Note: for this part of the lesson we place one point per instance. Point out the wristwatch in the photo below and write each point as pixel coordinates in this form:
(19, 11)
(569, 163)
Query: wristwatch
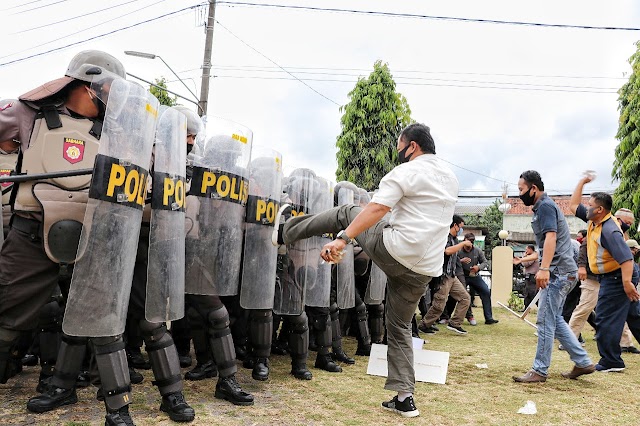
(344, 237)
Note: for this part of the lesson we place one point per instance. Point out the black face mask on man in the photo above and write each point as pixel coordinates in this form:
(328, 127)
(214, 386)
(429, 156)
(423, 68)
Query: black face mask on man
(402, 155)
(189, 147)
(527, 198)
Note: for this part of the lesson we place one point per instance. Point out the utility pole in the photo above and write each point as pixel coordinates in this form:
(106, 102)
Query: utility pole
(206, 62)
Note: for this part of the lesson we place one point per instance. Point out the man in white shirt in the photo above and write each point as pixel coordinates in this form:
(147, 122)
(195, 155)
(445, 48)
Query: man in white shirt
(408, 246)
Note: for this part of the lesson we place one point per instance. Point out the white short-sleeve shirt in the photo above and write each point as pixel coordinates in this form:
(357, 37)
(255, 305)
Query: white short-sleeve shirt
(422, 194)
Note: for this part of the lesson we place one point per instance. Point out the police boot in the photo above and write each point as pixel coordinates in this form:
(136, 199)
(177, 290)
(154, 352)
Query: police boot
(363, 349)
(177, 408)
(119, 417)
(46, 373)
(202, 371)
(324, 362)
(249, 362)
(228, 388)
(261, 369)
(135, 377)
(52, 398)
(30, 360)
(299, 370)
(135, 359)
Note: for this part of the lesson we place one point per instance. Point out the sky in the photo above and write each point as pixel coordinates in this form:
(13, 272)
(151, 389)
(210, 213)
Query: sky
(499, 99)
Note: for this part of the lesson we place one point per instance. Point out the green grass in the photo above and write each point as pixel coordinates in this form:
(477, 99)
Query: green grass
(472, 396)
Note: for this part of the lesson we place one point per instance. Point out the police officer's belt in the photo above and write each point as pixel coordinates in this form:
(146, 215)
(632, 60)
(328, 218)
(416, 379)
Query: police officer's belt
(27, 226)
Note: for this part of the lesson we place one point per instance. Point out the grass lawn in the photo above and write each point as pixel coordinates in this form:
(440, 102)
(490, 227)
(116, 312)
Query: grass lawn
(471, 396)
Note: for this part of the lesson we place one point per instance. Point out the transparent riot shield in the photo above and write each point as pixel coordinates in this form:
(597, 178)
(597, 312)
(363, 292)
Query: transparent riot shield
(165, 270)
(345, 273)
(318, 292)
(260, 256)
(220, 184)
(298, 265)
(376, 287)
(101, 282)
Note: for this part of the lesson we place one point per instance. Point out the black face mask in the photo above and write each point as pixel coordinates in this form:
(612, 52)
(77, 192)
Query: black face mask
(401, 155)
(527, 198)
(189, 148)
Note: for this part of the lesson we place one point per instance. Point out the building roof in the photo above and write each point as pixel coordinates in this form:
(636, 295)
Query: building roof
(518, 207)
(470, 209)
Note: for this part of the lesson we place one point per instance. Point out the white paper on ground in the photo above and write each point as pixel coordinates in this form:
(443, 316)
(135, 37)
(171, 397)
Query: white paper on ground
(529, 408)
(417, 343)
(430, 366)
(482, 366)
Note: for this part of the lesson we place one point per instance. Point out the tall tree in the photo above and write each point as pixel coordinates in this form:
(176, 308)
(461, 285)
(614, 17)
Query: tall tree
(161, 93)
(626, 166)
(371, 122)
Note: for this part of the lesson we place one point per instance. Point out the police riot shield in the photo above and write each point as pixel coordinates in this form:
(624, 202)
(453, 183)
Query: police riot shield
(376, 287)
(260, 256)
(318, 292)
(165, 270)
(215, 223)
(298, 265)
(101, 281)
(345, 273)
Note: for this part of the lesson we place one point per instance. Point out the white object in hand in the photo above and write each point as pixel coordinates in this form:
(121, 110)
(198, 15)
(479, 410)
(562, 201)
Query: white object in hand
(529, 408)
(591, 174)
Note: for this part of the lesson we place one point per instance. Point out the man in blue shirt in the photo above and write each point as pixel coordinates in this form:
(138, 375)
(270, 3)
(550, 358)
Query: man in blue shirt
(610, 259)
(555, 279)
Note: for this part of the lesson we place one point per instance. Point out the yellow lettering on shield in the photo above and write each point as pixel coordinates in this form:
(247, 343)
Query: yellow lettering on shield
(208, 179)
(169, 190)
(116, 178)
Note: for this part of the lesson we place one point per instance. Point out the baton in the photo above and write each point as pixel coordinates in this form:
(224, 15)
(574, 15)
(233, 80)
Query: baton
(526, 311)
(49, 175)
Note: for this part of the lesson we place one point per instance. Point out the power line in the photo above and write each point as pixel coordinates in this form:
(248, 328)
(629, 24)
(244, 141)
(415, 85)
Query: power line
(276, 64)
(471, 86)
(75, 17)
(40, 7)
(80, 31)
(21, 5)
(97, 37)
(271, 69)
(432, 17)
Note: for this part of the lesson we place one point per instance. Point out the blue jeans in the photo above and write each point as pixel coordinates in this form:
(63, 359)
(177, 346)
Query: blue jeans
(478, 284)
(551, 324)
(612, 310)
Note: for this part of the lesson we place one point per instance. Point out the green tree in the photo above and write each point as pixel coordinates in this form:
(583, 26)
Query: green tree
(626, 166)
(491, 220)
(161, 93)
(371, 122)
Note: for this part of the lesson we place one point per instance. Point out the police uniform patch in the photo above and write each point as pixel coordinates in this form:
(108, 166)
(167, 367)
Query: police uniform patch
(73, 150)
(6, 106)
(5, 172)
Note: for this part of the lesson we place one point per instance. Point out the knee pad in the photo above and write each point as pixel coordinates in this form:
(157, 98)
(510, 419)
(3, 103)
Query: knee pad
(218, 319)
(224, 353)
(299, 336)
(111, 360)
(334, 311)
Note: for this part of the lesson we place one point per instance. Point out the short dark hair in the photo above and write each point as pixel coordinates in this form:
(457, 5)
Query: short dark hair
(457, 220)
(531, 246)
(531, 177)
(583, 232)
(470, 236)
(603, 199)
(420, 134)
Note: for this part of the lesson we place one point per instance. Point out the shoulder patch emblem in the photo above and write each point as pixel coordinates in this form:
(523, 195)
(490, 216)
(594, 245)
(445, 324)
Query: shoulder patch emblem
(6, 106)
(73, 150)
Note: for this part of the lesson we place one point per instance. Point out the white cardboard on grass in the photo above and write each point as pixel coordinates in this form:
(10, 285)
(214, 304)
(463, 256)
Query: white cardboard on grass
(430, 366)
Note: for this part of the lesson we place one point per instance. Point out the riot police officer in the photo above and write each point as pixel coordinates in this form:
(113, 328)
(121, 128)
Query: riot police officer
(64, 116)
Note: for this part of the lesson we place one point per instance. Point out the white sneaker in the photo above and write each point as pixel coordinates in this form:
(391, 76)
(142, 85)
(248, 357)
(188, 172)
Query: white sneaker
(472, 321)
